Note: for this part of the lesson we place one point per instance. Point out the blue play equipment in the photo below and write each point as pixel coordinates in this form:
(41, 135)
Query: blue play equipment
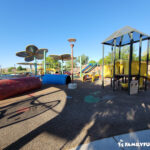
(89, 65)
(91, 68)
(56, 79)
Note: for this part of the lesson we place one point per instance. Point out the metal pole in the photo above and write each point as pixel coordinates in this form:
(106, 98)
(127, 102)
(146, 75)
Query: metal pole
(80, 67)
(44, 61)
(35, 64)
(114, 64)
(148, 43)
(72, 45)
(140, 49)
(103, 66)
(120, 47)
(30, 68)
(130, 62)
(112, 54)
(62, 67)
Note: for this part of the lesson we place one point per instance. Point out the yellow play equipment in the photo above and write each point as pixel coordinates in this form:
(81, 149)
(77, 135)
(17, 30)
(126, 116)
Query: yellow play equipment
(48, 70)
(122, 68)
(91, 76)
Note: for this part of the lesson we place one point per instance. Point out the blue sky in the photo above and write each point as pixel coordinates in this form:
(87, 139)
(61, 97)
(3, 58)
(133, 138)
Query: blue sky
(49, 23)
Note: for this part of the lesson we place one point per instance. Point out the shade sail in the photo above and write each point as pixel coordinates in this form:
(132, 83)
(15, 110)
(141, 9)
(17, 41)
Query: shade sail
(124, 34)
(23, 54)
(63, 57)
(30, 58)
(31, 49)
(27, 64)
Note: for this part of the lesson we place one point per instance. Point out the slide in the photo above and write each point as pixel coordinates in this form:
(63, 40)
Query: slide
(83, 70)
(91, 68)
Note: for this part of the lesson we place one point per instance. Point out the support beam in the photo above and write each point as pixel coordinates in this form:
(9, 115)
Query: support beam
(62, 66)
(114, 64)
(44, 62)
(140, 49)
(112, 55)
(130, 61)
(35, 64)
(120, 46)
(148, 43)
(80, 67)
(103, 67)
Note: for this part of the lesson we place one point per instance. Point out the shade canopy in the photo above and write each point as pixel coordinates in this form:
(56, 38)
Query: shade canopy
(63, 57)
(123, 38)
(32, 52)
(27, 64)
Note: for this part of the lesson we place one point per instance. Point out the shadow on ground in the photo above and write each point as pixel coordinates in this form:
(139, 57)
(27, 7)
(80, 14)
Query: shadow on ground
(112, 113)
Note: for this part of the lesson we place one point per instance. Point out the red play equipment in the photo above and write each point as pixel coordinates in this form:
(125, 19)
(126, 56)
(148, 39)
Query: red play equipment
(11, 87)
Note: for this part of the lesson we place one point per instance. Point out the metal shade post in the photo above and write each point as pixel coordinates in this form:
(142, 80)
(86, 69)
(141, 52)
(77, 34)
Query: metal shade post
(148, 43)
(62, 67)
(80, 67)
(103, 66)
(140, 49)
(114, 64)
(72, 45)
(130, 61)
(35, 64)
(44, 62)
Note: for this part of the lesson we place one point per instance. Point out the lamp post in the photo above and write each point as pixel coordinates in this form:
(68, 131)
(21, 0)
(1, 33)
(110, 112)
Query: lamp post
(72, 45)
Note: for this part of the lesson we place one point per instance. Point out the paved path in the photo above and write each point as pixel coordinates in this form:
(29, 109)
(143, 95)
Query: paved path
(57, 118)
(131, 141)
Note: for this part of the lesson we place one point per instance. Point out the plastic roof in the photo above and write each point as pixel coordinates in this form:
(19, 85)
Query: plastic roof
(124, 34)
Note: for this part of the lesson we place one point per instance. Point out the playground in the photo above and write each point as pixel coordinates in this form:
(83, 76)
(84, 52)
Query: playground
(57, 117)
(64, 109)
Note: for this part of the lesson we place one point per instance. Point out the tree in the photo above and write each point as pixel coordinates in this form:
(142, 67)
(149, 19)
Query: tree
(52, 63)
(92, 62)
(124, 55)
(68, 64)
(20, 68)
(11, 69)
(84, 59)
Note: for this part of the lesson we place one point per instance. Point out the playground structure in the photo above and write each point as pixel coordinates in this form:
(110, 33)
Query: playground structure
(63, 57)
(12, 87)
(29, 64)
(56, 79)
(127, 70)
(89, 74)
(33, 53)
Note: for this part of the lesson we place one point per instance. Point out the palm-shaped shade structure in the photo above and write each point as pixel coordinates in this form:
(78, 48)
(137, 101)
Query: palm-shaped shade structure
(63, 57)
(33, 53)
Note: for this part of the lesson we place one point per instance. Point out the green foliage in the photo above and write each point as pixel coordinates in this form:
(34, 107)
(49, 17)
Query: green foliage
(92, 62)
(68, 64)
(20, 68)
(84, 59)
(124, 55)
(52, 63)
(11, 69)
(144, 57)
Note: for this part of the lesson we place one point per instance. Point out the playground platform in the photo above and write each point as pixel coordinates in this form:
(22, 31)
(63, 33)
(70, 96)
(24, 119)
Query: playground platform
(55, 117)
